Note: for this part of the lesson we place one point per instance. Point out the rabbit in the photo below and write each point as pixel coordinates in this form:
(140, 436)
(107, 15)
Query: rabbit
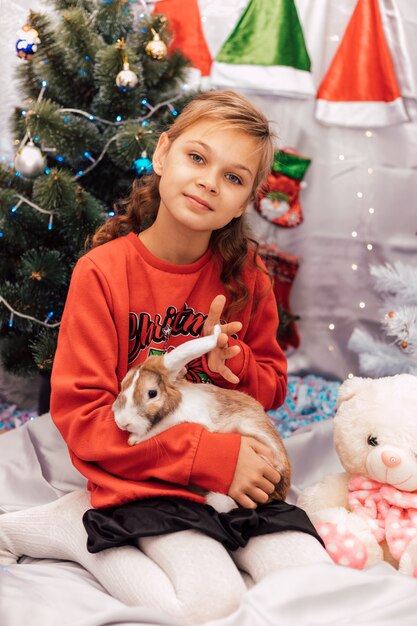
(155, 396)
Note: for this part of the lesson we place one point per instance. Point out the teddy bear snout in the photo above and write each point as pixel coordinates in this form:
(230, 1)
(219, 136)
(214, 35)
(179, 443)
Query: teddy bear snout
(390, 459)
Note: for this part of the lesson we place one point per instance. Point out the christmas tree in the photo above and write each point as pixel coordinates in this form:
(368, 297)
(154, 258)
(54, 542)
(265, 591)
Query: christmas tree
(396, 284)
(98, 86)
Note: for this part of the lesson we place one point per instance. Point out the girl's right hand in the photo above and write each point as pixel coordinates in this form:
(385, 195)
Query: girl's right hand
(255, 476)
(216, 358)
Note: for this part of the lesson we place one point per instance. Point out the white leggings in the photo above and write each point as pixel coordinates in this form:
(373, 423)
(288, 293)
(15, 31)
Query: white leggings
(188, 575)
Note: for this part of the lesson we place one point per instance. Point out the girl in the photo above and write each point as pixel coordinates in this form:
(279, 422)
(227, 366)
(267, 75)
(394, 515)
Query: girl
(175, 261)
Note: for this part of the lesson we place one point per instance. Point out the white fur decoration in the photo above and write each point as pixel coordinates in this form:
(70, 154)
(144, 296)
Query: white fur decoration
(397, 280)
(377, 358)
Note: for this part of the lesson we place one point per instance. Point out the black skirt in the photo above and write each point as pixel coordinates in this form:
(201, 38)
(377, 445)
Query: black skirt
(124, 524)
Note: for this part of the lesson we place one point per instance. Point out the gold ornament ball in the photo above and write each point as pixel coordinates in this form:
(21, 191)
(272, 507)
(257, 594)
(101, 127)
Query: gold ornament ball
(126, 79)
(156, 48)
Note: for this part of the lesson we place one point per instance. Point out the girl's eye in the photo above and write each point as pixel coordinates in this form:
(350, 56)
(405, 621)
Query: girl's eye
(152, 393)
(234, 179)
(196, 158)
(372, 441)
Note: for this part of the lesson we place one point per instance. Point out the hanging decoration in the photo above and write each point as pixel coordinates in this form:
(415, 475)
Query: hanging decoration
(266, 52)
(283, 269)
(156, 48)
(185, 23)
(126, 80)
(29, 160)
(360, 88)
(142, 165)
(27, 42)
(278, 198)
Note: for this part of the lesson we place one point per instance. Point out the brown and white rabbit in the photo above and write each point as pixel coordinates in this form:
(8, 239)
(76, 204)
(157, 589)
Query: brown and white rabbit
(155, 396)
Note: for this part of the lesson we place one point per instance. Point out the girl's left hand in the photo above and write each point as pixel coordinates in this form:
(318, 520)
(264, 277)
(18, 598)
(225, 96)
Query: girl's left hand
(216, 358)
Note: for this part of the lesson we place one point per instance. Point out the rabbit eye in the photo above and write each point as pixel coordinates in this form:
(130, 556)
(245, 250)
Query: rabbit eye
(152, 393)
(372, 441)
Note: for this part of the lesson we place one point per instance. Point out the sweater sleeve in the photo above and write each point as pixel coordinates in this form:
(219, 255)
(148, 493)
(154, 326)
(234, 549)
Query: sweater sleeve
(261, 365)
(85, 383)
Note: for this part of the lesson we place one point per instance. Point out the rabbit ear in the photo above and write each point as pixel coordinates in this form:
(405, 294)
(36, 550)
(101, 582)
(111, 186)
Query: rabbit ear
(175, 360)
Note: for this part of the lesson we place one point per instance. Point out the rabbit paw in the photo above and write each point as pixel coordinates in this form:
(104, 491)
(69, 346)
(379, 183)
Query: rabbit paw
(133, 440)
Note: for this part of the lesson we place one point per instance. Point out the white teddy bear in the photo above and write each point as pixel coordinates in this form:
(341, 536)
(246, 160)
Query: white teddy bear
(369, 513)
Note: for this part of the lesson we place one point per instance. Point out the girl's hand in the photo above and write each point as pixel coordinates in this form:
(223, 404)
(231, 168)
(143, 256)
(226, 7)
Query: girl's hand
(255, 477)
(216, 358)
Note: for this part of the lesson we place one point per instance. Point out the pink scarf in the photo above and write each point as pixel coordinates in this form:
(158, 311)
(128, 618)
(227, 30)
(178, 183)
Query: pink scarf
(392, 513)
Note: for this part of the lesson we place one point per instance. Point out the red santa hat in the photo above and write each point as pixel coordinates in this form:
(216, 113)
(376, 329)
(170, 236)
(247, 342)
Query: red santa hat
(360, 88)
(185, 23)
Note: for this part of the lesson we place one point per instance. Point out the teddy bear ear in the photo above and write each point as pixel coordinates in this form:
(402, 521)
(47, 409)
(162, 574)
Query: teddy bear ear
(350, 387)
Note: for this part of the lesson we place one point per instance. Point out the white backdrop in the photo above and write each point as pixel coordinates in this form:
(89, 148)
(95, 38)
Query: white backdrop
(380, 165)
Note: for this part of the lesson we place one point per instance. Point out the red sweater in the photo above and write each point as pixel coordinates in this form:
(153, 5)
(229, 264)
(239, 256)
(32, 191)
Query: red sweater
(120, 300)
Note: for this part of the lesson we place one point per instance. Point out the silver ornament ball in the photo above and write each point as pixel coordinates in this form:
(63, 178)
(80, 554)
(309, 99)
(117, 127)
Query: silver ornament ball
(29, 161)
(126, 79)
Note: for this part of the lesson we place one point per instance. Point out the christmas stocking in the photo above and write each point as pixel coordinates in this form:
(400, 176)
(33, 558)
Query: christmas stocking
(283, 269)
(278, 198)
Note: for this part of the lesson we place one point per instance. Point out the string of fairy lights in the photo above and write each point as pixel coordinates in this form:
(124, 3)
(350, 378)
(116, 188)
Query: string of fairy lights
(13, 312)
(362, 199)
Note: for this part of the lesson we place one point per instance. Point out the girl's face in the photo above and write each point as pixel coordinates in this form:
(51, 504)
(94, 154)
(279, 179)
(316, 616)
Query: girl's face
(207, 175)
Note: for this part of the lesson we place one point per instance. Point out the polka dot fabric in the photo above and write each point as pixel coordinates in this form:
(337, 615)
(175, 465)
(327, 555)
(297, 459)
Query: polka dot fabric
(391, 513)
(342, 545)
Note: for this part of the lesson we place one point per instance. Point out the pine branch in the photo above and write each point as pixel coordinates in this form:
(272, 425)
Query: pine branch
(77, 35)
(44, 268)
(113, 20)
(397, 279)
(70, 135)
(401, 323)
(63, 5)
(9, 180)
(43, 349)
(16, 355)
(380, 359)
(20, 223)
(51, 66)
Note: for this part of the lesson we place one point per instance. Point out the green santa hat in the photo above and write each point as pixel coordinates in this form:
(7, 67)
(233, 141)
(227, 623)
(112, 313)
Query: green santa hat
(266, 52)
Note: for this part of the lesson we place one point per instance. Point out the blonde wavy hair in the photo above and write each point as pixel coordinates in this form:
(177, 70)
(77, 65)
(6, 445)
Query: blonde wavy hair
(232, 243)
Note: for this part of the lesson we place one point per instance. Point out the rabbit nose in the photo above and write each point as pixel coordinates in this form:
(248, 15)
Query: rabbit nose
(123, 423)
(390, 459)
(121, 420)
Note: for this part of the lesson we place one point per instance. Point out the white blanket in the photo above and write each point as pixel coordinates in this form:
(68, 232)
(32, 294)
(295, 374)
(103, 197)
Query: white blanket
(35, 468)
